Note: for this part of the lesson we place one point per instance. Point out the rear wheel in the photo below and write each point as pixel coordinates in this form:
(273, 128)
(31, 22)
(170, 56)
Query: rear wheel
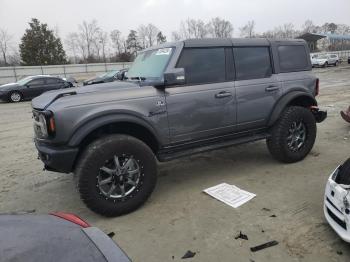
(293, 135)
(15, 97)
(116, 174)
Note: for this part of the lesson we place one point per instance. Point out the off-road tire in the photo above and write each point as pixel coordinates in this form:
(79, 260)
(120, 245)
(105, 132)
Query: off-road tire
(343, 176)
(277, 141)
(94, 157)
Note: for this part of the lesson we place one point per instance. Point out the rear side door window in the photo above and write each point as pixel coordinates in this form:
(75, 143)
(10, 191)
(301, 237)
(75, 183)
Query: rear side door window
(292, 58)
(36, 82)
(203, 65)
(252, 62)
(53, 83)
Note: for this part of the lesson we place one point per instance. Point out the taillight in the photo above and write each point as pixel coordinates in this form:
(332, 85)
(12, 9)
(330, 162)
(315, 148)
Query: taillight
(72, 218)
(317, 87)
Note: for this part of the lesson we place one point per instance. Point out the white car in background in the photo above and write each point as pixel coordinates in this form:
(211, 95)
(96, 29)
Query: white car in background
(337, 201)
(324, 60)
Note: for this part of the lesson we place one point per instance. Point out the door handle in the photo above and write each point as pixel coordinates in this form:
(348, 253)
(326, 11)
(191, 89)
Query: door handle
(223, 94)
(271, 88)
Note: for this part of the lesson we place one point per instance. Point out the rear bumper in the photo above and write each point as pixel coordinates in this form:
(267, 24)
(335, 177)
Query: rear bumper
(319, 115)
(58, 159)
(110, 250)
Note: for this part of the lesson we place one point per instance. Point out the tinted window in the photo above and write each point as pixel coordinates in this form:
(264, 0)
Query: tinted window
(203, 65)
(252, 62)
(292, 58)
(53, 81)
(38, 81)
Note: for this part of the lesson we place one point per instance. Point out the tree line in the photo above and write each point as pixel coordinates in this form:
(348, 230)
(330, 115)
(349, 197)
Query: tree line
(41, 45)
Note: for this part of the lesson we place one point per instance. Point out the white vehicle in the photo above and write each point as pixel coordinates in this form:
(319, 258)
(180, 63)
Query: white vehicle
(324, 60)
(337, 199)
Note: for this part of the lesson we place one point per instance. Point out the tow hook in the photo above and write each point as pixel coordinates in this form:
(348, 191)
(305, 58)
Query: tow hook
(319, 115)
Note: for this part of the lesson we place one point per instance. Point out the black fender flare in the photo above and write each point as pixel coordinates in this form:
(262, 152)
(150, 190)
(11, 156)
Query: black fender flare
(84, 130)
(285, 100)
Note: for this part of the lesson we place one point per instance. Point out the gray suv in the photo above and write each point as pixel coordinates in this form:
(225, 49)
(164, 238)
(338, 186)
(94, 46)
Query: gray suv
(178, 99)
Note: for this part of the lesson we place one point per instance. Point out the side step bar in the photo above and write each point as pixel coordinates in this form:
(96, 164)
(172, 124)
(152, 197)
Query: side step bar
(170, 154)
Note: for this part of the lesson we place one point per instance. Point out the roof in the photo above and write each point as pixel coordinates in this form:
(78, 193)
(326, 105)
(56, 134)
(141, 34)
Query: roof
(235, 42)
(337, 36)
(310, 37)
(210, 42)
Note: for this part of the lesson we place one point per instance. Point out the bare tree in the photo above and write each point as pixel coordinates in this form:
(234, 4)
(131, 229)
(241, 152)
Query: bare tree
(102, 39)
(308, 27)
(220, 28)
(88, 32)
(152, 32)
(192, 28)
(14, 57)
(343, 29)
(142, 35)
(175, 36)
(5, 42)
(147, 35)
(118, 41)
(248, 29)
(72, 45)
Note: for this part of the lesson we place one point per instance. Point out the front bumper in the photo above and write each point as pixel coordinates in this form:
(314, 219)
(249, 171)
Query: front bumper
(336, 209)
(58, 159)
(4, 95)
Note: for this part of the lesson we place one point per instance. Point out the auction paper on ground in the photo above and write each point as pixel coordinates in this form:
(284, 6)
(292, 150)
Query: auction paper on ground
(229, 194)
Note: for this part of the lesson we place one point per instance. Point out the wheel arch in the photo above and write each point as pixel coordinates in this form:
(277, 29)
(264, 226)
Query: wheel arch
(295, 98)
(110, 125)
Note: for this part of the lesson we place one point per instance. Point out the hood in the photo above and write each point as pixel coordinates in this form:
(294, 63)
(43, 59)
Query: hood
(95, 79)
(9, 86)
(43, 101)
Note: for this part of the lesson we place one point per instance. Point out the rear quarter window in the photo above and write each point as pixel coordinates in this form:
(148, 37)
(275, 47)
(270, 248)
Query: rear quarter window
(292, 58)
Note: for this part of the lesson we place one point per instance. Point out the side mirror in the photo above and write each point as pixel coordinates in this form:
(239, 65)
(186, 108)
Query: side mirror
(174, 76)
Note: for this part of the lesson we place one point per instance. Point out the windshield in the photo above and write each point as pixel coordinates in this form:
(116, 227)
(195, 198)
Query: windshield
(25, 80)
(322, 57)
(109, 74)
(150, 64)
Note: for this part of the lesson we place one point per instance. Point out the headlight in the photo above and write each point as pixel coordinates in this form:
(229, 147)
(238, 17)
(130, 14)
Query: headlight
(44, 124)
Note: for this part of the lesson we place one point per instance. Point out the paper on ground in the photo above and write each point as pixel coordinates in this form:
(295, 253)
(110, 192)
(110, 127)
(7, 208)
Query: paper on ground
(229, 194)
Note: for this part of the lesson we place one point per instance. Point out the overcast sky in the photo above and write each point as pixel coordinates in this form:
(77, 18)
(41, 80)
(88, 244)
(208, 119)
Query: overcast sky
(167, 14)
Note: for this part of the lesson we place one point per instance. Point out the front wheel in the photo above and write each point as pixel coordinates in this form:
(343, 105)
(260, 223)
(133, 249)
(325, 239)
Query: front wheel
(116, 174)
(293, 135)
(15, 97)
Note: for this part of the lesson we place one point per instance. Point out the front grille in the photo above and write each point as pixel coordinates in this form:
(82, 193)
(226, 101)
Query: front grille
(336, 219)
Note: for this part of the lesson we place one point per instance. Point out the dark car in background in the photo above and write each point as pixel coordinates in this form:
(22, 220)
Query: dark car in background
(30, 87)
(55, 237)
(107, 77)
(348, 59)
